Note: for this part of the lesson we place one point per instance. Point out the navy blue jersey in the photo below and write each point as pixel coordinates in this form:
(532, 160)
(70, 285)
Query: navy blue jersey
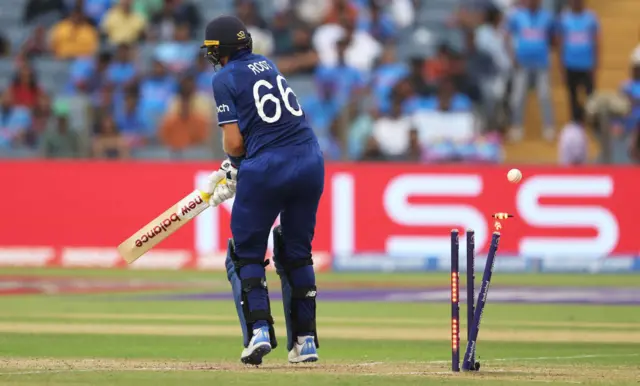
(251, 91)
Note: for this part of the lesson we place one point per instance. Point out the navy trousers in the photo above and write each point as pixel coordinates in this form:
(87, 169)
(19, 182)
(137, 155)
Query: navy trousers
(286, 181)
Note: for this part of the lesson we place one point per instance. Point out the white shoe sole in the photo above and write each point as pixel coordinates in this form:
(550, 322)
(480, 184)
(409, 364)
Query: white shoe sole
(255, 357)
(304, 358)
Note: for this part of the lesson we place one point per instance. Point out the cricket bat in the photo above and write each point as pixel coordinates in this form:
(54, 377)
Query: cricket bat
(164, 225)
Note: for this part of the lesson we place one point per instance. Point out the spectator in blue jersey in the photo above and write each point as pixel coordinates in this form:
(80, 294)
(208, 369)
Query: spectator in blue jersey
(14, 121)
(411, 99)
(122, 70)
(631, 89)
(376, 22)
(156, 91)
(96, 9)
(321, 108)
(203, 73)
(388, 73)
(89, 75)
(579, 35)
(177, 55)
(350, 81)
(531, 31)
(129, 119)
(448, 99)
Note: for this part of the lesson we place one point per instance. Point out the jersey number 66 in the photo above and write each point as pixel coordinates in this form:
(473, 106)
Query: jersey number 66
(285, 92)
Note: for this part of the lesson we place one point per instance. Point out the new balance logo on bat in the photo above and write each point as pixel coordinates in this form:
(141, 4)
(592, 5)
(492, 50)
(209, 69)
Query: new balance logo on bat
(156, 230)
(189, 206)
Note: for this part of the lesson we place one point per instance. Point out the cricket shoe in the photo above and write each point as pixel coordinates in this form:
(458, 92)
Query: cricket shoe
(259, 346)
(304, 350)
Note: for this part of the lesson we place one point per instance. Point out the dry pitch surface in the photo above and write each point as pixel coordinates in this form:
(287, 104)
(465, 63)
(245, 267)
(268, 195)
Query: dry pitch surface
(506, 370)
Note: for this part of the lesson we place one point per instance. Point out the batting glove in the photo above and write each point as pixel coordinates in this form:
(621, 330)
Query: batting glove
(231, 174)
(221, 193)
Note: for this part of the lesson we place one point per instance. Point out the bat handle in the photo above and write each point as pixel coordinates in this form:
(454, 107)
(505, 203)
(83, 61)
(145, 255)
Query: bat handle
(205, 196)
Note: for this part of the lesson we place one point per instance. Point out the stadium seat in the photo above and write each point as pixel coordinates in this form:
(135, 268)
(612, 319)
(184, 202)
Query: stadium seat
(51, 67)
(152, 152)
(79, 112)
(145, 55)
(6, 67)
(201, 153)
(52, 74)
(19, 153)
(214, 8)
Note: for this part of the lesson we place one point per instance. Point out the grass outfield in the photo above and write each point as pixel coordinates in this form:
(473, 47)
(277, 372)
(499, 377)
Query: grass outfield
(115, 339)
(390, 279)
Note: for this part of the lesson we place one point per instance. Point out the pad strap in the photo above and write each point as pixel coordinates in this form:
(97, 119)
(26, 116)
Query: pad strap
(295, 264)
(239, 263)
(255, 315)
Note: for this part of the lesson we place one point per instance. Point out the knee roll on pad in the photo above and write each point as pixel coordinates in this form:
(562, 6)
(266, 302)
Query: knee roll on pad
(240, 290)
(291, 293)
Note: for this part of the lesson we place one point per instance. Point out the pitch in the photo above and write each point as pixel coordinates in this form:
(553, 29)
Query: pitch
(61, 327)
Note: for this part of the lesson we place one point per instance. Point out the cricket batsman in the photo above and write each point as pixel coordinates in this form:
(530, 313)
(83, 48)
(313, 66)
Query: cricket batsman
(274, 167)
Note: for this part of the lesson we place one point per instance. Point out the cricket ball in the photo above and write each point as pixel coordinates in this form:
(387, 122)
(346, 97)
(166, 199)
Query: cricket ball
(514, 176)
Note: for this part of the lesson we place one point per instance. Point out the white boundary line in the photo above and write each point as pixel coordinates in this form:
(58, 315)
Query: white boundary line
(368, 364)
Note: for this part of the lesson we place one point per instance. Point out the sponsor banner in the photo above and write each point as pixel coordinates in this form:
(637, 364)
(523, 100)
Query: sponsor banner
(107, 257)
(76, 213)
(504, 263)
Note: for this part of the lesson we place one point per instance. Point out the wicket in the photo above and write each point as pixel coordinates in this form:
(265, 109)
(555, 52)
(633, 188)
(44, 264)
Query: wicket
(474, 314)
(471, 246)
(455, 302)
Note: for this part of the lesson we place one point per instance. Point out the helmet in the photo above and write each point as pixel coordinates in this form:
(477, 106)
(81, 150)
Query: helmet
(225, 35)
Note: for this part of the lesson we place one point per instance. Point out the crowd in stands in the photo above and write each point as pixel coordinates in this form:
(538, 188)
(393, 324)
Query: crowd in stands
(631, 88)
(373, 84)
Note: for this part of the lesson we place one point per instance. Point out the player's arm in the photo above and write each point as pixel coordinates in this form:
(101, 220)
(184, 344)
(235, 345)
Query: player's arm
(222, 182)
(232, 141)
